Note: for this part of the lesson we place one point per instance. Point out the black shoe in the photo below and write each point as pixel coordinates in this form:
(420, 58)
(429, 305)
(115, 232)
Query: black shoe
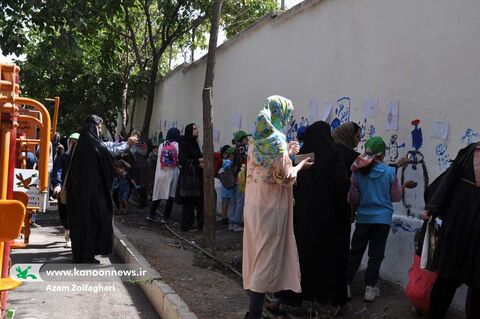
(153, 219)
(225, 221)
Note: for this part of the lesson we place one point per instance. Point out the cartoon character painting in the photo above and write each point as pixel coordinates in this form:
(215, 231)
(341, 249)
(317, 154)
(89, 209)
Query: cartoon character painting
(342, 112)
(394, 147)
(443, 158)
(416, 171)
(371, 131)
(417, 136)
(294, 126)
(469, 136)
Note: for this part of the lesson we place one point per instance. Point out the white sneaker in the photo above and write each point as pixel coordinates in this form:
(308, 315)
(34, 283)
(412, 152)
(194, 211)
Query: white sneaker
(349, 293)
(371, 293)
(231, 226)
(238, 229)
(68, 244)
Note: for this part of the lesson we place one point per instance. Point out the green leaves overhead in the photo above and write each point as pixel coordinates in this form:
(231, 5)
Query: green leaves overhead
(90, 52)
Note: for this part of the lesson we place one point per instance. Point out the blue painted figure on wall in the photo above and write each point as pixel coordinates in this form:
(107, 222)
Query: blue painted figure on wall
(417, 136)
(443, 157)
(469, 136)
(342, 112)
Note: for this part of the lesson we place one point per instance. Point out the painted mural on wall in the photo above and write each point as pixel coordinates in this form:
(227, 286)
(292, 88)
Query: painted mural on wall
(417, 136)
(295, 126)
(416, 171)
(443, 158)
(371, 131)
(393, 152)
(342, 112)
(470, 136)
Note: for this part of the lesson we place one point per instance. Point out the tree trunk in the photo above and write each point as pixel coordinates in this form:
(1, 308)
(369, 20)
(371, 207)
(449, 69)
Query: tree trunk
(150, 95)
(111, 130)
(124, 112)
(207, 97)
(132, 117)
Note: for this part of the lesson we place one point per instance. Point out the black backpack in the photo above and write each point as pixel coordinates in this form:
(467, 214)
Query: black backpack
(227, 177)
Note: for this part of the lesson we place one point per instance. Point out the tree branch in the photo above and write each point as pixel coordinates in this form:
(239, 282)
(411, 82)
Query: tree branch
(146, 9)
(115, 30)
(132, 37)
(180, 32)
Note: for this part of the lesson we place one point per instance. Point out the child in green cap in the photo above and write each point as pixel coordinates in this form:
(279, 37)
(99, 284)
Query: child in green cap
(225, 193)
(374, 186)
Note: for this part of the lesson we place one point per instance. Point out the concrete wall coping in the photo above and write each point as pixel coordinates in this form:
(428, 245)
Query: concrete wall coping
(163, 298)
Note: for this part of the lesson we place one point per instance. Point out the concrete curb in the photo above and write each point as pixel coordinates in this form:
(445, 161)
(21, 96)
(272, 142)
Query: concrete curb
(163, 298)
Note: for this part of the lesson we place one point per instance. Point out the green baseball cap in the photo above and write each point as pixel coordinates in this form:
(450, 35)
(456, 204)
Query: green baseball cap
(74, 136)
(230, 150)
(240, 135)
(375, 146)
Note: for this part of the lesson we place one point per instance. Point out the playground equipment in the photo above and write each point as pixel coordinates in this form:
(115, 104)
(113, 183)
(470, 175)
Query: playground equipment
(31, 120)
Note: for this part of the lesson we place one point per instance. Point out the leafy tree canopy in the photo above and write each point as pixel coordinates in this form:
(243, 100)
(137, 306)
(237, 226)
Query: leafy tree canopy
(99, 55)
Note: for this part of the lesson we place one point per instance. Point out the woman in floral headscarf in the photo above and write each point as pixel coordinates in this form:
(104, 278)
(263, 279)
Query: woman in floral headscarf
(270, 258)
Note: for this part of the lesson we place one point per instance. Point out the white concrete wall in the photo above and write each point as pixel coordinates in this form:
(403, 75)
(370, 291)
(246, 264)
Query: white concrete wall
(423, 53)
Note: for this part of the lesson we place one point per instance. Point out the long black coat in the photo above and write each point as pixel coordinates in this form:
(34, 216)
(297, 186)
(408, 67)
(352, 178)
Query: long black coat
(190, 154)
(322, 225)
(90, 208)
(456, 200)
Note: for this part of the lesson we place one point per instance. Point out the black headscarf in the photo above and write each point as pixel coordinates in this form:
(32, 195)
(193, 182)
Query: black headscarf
(318, 139)
(190, 153)
(89, 198)
(189, 146)
(173, 134)
(189, 132)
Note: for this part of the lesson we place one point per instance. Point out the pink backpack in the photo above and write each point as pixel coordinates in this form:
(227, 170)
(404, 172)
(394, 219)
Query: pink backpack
(168, 156)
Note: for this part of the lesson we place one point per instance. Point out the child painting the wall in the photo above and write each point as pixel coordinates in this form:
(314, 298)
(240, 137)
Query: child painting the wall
(374, 186)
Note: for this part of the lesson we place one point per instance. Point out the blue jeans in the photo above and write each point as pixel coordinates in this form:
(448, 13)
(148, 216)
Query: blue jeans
(375, 236)
(235, 211)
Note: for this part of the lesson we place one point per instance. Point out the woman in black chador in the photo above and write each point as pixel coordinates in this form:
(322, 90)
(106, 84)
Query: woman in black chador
(191, 160)
(89, 199)
(322, 224)
(455, 198)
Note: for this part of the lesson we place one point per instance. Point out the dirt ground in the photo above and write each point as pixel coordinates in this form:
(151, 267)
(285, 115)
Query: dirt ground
(212, 291)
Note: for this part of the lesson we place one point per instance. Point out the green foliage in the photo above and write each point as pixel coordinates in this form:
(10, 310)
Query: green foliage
(239, 15)
(78, 71)
(88, 51)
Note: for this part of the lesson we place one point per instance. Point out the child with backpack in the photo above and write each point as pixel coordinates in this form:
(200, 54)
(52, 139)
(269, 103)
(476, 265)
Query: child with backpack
(226, 193)
(374, 186)
(166, 176)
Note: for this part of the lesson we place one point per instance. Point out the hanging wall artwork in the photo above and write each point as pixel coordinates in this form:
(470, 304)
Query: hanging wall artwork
(327, 109)
(391, 123)
(313, 110)
(370, 107)
(470, 136)
(342, 112)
